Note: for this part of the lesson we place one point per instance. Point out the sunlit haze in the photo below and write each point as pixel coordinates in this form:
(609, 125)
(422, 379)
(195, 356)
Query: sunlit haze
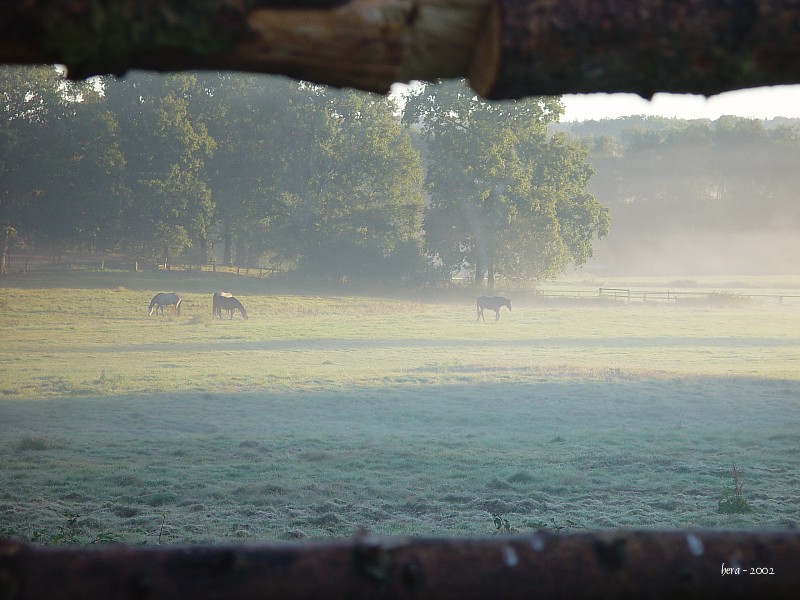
(759, 103)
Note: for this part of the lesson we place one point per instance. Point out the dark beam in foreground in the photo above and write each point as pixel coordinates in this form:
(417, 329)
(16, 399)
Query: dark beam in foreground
(613, 564)
(550, 47)
(508, 48)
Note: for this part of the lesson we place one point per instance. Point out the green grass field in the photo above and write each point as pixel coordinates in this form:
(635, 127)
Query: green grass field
(321, 415)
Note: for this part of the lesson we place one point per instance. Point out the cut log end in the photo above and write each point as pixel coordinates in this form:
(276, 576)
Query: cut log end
(484, 69)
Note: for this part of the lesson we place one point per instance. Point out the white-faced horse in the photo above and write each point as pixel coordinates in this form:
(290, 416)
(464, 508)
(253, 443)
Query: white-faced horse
(229, 303)
(494, 303)
(163, 299)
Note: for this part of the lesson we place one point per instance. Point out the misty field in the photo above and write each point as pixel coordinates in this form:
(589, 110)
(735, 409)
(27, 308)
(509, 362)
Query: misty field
(320, 415)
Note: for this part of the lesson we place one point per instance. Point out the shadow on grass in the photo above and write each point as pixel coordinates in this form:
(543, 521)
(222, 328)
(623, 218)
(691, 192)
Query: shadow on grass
(402, 459)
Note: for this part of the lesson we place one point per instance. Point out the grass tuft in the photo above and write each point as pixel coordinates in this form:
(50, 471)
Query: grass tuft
(32, 444)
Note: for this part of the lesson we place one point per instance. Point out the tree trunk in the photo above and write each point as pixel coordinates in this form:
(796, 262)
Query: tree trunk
(479, 271)
(227, 240)
(202, 249)
(4, 249)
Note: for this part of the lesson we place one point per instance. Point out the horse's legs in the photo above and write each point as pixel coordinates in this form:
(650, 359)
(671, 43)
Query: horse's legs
(480, 314)
(497, 315)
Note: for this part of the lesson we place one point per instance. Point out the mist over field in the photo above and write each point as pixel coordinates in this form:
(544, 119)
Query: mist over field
(700, 253)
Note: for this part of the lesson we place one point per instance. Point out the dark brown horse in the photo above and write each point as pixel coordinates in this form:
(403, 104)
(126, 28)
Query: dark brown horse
(226, 301)
(494, 303)
(216, 309)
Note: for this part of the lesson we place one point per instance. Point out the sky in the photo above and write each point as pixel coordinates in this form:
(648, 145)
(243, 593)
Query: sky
(759, 103)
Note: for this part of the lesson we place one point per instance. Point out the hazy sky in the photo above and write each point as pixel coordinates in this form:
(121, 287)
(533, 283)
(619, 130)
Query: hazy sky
(761, 103)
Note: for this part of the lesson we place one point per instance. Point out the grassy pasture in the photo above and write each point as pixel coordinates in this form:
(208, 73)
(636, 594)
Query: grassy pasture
(323, 414)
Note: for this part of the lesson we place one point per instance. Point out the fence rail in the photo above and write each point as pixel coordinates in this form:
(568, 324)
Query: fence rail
(714, 565)
(630, 294)
(637, 295)
(27, 263)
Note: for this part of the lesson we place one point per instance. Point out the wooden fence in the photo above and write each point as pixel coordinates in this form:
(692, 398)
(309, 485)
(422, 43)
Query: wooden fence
(713, 565)
(28, 263)
(717, 296)
(721, 297)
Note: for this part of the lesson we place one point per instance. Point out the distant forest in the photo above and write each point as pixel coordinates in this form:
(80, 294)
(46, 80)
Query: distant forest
(696, 196)
(346, 186)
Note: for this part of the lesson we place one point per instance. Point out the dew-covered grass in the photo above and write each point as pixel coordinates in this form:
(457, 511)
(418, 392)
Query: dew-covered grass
(323, 414)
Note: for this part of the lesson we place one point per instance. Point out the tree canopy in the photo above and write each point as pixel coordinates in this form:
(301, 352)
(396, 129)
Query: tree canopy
(334, 185)
(506, 195)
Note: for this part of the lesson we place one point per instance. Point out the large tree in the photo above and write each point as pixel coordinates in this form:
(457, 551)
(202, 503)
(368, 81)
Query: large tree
(505, 195)
(353, 191)
(165, 139)
(60, 164)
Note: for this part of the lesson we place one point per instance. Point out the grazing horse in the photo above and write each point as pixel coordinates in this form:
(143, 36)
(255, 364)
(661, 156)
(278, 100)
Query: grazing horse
(216, 309)
(230, 304)
(163, 299)
(494, 303)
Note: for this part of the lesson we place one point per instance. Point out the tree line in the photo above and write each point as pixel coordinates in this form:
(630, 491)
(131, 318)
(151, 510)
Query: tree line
(329, 184)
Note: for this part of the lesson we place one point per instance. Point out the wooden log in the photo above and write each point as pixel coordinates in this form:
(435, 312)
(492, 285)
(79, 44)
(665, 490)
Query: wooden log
(507, 48)
(623, 564)
(366, 44)
(643, 46)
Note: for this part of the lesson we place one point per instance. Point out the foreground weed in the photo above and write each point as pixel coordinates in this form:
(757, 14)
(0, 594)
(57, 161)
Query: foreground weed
(501, 524)
(568, 525)
(732, 500)
(68, 533)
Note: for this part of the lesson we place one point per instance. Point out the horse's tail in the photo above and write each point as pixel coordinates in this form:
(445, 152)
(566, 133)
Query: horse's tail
(152, 305)
(178, 306)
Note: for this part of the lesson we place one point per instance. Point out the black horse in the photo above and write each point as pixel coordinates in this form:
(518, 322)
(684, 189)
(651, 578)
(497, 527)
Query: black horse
(225, 301)
(163, 299)
(494, 303)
